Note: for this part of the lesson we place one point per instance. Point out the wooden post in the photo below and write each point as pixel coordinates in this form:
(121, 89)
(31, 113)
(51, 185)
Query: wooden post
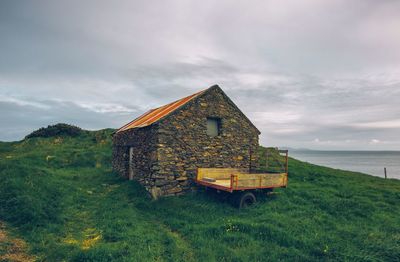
(236, 181)
(287, 161)
(384, 169)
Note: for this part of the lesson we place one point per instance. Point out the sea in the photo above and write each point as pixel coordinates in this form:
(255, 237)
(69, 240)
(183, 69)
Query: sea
(368, 162)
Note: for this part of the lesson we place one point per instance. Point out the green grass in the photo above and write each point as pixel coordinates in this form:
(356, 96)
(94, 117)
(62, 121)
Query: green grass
(61, 197)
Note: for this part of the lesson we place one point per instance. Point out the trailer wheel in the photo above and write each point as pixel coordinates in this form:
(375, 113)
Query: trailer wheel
(246, 199)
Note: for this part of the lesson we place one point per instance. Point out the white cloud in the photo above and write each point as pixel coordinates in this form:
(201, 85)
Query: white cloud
(300, 70)
(105, 108)
(22, 102)
(374, 141)
(380, 124)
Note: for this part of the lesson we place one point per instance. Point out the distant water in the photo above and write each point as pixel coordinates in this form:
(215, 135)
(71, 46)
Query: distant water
(368, 162)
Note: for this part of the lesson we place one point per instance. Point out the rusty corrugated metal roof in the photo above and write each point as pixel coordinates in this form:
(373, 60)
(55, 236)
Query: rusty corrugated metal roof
(156, 114)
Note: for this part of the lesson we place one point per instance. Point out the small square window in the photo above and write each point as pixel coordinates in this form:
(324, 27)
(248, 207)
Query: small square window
(213, 126)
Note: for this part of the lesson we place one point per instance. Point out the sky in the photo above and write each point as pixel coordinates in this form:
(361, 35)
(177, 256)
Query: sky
(309, 74)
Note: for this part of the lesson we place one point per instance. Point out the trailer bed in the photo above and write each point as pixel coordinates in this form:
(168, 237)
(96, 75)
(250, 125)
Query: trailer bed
(231, 179)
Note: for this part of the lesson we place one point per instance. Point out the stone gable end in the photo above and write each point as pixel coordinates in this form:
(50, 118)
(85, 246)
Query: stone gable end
(164, 156)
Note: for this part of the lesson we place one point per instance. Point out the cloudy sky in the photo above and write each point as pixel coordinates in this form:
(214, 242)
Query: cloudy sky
(313, 74)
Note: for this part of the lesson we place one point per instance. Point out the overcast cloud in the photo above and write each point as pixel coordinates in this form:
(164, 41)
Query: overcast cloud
(314, 74)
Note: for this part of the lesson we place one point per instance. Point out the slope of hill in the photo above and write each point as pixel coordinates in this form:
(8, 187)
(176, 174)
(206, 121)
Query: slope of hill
(60, 196)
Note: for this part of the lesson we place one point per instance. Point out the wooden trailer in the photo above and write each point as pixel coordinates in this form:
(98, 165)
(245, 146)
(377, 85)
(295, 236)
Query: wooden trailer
(241, 183)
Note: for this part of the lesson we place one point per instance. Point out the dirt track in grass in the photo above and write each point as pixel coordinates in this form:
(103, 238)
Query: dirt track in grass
(11, 248)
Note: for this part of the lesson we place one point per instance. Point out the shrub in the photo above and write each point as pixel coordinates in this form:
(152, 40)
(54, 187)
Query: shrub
(56, 130)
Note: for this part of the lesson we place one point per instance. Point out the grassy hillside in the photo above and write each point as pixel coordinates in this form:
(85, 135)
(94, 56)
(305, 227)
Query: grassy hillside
(60, 196)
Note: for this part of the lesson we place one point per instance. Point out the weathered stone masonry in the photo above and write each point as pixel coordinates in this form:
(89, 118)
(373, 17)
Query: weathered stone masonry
(166, 154)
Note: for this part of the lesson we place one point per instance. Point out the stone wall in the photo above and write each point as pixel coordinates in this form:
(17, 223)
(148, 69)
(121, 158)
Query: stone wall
(144, 154)
(167, 154)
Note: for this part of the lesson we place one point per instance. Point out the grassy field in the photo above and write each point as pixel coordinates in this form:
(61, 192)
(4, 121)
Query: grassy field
(60, 196)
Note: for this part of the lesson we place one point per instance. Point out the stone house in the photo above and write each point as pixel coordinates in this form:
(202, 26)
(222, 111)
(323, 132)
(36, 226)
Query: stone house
(163, 148)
